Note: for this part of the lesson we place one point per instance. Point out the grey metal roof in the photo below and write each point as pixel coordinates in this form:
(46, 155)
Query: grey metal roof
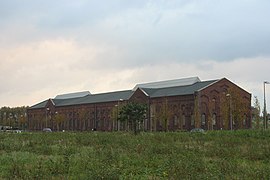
(92, 98)
(39, 105)
(125, 95)
(95, 98)
(176, 91)
(169, 83)
(72, 95)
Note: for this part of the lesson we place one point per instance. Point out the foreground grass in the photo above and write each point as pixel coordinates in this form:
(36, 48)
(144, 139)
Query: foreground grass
(214, 155)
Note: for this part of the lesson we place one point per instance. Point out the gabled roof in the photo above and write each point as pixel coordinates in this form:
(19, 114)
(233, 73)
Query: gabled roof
(92, 98)
(178, 90)
(95, 98)
(169, 83)
(39, 105)
(72, 95)
(178, 87)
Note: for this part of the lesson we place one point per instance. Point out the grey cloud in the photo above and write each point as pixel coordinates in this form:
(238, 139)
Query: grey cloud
(221, 31)
(122, 41)
(145, 32)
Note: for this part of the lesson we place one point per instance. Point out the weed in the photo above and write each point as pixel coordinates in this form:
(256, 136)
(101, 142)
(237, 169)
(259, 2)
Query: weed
(241, 154)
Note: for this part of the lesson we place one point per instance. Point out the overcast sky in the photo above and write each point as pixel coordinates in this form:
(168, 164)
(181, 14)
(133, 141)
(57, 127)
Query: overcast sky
(59, 46)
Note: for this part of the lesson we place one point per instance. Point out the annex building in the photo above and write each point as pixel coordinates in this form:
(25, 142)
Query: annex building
(180, 104)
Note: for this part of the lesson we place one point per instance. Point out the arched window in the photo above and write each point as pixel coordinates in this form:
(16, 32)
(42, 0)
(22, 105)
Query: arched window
(184, 119)
(214, 119)
(192, 120)
(203, 120)
(175, 121)
(245, 120)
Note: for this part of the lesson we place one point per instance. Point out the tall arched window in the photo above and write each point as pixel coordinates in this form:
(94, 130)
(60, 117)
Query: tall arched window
(214, 120)
(203, 119)
(245, 120)
(184, 119)
(175, 121)
(192, 120)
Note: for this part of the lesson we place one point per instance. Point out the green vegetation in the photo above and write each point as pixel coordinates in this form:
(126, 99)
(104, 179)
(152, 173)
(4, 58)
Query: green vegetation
(173, 155)
(134, 114)
(14, 117)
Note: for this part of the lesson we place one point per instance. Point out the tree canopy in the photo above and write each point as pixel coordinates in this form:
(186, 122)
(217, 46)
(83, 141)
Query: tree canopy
(13, 116)
(134, 114)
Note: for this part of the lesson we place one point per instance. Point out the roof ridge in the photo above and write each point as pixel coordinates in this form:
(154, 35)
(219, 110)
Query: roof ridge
(168, 83)
(72, 95)
(110, 92)
(177, 86)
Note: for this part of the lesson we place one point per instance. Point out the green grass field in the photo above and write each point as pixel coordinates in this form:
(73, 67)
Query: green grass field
(172, 155)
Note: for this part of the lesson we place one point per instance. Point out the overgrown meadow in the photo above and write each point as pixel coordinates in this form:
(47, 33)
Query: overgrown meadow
(172, 155)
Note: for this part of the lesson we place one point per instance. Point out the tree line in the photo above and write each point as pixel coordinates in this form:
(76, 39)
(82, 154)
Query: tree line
(15, 117)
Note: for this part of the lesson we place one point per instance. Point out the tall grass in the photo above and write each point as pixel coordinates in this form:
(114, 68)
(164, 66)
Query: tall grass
(172, 155)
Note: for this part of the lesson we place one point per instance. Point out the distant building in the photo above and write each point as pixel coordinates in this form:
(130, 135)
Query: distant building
(180, 104)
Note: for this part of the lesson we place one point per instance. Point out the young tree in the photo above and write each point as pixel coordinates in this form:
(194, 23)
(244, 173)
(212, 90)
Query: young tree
(196, 113)
(22, 121)
(225, 110)
(181, 118)
(134, 113)
(257, 111)
(59, 118)
(83, 117)
(238, 108)
(114, 116)
(165, 114)
(233, 107)
(153, 117)
(211, 111)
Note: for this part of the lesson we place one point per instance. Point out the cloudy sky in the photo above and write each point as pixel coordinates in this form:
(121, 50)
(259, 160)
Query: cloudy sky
(59, 46)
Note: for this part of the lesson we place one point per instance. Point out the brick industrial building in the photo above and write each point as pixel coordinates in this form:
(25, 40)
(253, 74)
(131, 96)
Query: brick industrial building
(184, 103)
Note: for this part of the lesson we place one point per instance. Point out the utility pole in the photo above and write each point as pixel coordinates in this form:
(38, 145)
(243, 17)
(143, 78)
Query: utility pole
(264, 108)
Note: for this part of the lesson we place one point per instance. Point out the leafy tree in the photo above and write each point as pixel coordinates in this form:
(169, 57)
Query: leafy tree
(22, 121)
(232, 102)
(211, 111)
(59, 118)
(134, 114)
(196, 113)
(11, 116)
(181, 119)
(83, 117)
(114, 115)
(225, 111)
(165, 113)
(238, 108)
(153, 117)
(257, 111)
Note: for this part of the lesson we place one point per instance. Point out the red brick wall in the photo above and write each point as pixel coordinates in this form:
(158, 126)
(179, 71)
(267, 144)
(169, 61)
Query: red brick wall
(181, 109)
(213, 98)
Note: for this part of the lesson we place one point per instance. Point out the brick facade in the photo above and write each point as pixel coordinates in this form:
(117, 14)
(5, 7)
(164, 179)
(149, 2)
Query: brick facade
(214, 104)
